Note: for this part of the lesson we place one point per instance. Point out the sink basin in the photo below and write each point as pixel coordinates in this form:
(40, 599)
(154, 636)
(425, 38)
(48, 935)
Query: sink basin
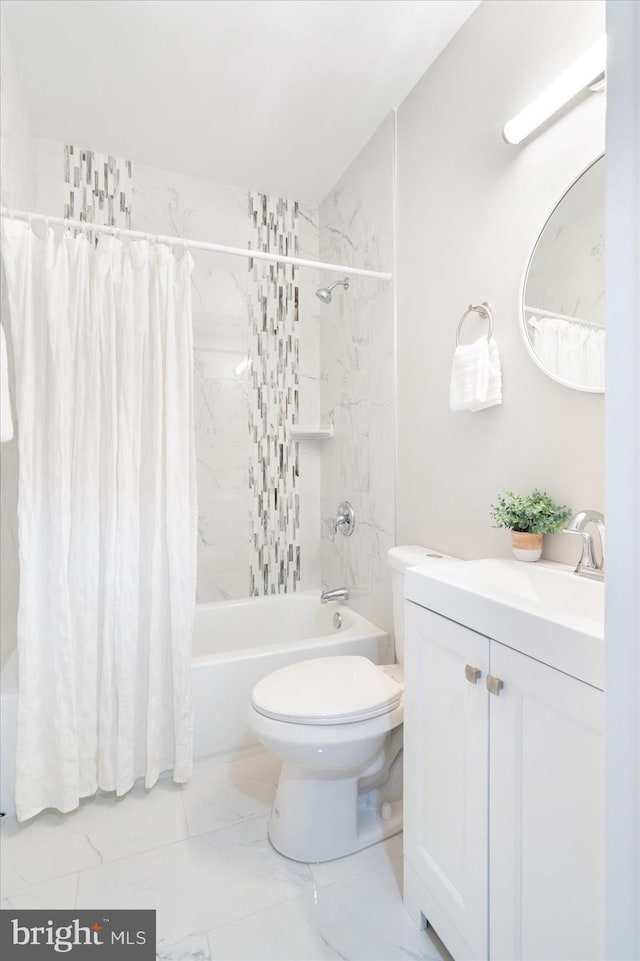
(543, 609)
(553, 590)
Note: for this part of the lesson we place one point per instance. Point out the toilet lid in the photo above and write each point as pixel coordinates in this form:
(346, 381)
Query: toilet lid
(327, 690)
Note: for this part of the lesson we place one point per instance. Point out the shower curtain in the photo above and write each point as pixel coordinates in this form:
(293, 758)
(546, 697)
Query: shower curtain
(573, 351)
(107, 515)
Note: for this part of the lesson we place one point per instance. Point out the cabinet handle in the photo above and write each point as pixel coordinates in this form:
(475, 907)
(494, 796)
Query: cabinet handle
(494, 685)
(472, 673)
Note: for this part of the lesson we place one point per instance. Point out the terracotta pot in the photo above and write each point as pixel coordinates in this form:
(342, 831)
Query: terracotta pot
(526, 547)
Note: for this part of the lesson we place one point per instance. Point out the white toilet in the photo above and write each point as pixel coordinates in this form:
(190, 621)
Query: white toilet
(336, 723)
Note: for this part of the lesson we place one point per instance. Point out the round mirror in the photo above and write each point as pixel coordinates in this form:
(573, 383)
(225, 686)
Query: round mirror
(563, 306)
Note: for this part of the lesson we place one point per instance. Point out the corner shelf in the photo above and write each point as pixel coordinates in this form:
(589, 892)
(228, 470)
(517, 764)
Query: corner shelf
(320, 432)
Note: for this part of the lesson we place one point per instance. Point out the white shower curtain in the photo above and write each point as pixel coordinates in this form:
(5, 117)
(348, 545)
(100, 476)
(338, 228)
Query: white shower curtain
(572, 351)
(106, 512)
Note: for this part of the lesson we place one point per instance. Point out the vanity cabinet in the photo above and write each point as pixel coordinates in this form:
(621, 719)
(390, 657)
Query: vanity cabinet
(503, 798)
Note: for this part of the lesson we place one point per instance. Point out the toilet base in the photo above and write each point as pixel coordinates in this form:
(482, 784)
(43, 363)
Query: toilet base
(321, 819)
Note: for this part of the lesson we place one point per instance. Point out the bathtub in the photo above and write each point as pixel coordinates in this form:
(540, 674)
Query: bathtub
(235, 644)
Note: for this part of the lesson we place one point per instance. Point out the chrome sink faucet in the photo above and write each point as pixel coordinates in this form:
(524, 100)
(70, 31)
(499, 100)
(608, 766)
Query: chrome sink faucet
(337, 594)
(588, 565)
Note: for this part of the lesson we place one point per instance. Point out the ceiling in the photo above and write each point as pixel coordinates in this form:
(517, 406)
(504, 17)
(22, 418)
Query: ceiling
(278, 95)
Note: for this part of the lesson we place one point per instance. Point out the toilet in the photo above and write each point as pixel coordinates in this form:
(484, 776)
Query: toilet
(336, 724)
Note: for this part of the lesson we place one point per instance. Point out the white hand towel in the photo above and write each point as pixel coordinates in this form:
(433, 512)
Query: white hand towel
(469, 375)
(6, 421)
(476, 377)
(494, 385)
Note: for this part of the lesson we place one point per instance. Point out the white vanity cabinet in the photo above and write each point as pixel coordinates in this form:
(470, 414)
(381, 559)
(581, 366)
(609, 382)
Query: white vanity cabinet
(446, 779)
(503, 798)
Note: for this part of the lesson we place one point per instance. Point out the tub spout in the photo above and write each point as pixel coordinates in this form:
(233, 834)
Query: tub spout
(337, 594)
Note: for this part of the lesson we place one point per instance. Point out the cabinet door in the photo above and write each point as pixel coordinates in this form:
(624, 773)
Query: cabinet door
(546, 822)
(446, 780)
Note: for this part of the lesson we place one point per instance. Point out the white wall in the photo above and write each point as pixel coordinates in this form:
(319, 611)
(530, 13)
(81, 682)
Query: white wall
(622, 626)
(18, 189)
(358, 380)
(17, 157)
(470, 208)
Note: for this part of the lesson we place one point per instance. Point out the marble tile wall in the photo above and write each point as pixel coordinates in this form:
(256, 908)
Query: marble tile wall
(173, 203)
(197, 208)
(307, 455)
(97, 187)
(309, 479)
(274, 399)
(358, 381)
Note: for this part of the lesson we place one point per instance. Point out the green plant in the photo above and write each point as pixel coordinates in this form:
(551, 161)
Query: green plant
(533, 513)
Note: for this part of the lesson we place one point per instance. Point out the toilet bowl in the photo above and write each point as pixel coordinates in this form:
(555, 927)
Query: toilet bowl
(336, 724)
(330, 720)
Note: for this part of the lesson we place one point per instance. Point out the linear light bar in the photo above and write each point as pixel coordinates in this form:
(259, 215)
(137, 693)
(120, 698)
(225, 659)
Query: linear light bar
(579, 75)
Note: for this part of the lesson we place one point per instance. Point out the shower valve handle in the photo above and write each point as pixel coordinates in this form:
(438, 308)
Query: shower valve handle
(345, 522)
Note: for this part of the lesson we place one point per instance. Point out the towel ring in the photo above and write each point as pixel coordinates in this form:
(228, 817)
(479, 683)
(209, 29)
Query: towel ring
(484, 309)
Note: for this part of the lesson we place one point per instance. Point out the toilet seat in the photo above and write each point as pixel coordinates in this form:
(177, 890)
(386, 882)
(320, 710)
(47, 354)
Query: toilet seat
(327, 690)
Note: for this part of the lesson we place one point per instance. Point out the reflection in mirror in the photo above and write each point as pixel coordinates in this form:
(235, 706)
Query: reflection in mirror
(564, 290)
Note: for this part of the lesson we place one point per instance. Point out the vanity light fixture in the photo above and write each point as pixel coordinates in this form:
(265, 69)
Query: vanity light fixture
(588, 70)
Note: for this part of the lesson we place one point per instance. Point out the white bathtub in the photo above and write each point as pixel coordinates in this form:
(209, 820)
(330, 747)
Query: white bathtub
(235, 644)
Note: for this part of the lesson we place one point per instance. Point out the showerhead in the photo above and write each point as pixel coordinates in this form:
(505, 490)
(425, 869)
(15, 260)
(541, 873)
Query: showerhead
(324, 293)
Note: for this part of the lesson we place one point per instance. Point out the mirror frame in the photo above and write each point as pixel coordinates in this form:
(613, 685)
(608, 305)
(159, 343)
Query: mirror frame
(523, 287)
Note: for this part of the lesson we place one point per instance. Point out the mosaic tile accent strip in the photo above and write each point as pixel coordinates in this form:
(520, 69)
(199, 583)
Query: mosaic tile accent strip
(274, 356)
(97, 187)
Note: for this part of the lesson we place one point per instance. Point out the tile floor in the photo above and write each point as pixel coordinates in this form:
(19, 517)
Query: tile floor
(201, 857)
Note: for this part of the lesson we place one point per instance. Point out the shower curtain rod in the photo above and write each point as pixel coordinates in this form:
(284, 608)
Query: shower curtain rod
(572, 320)
(193, 244)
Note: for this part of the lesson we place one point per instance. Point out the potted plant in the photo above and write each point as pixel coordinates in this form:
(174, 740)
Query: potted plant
(529, 517)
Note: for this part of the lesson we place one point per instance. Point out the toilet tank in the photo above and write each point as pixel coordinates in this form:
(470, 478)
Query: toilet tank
(400, 558)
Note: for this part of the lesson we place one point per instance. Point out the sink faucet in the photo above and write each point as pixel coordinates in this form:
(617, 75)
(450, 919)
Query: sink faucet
(588, 566)
(337, 594)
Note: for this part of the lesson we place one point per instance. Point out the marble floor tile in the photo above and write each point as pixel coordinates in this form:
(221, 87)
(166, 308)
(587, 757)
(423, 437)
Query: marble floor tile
(220, 796)
(138, 821)
(283, 933)
(59, 893)
(364, 919)
(192, 949)
(199, 883)
(50, 846)
(220, 895)
(357, 919)
(327, 872)
(103, 828)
